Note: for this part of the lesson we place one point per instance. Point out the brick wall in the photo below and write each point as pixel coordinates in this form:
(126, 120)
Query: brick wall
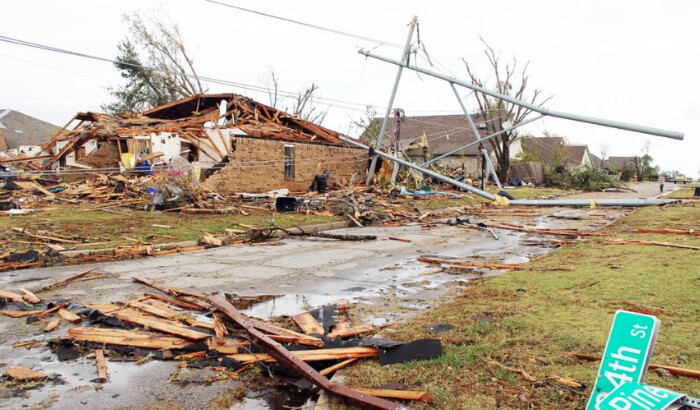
(257, 165)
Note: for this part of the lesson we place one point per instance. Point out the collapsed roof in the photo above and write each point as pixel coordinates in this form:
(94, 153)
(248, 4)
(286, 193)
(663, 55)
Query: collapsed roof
(189, 118)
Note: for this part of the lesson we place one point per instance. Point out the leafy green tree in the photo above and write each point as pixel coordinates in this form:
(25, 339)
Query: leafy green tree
(155, 64)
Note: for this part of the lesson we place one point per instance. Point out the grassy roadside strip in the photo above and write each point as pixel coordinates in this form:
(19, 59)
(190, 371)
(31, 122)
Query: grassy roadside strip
(539, 314)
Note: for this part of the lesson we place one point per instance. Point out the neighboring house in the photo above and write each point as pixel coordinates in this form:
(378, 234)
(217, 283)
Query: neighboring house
(22, 135)
(548, 150)
(618, 163)
(425, 137)
(234, 143)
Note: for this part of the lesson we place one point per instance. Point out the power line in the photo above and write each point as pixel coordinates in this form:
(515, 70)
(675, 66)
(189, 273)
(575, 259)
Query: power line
(288, 20)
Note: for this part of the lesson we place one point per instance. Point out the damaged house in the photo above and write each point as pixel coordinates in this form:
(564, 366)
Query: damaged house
(228, 142)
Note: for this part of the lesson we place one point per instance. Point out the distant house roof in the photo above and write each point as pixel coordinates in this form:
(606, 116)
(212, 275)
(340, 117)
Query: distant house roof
(21, 129)
(618, 162)
(547, 148)
(596, 160)
(444, 133)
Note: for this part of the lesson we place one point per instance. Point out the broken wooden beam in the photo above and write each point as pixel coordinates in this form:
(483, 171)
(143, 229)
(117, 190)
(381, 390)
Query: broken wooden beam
(101, 365)
(422, 396)
(24, 232)
(634, 242)
(64, 281)
(289, 359)
(120, 337)
(338, 366)
(167, 289)
(29, 296)
(177, 302)
(308, 324)
(312, 355)
(351, 331)
(165, 326)
(673, 370)
(69, 316)
(11, 296)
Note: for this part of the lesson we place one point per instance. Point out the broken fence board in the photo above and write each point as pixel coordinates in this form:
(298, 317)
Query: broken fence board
(14, 297)
(69, 316)
(29, 296)
(338, 366)
(340, 353)
(351, 331)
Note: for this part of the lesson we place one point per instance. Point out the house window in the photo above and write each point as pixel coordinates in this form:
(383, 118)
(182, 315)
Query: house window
(289, 161)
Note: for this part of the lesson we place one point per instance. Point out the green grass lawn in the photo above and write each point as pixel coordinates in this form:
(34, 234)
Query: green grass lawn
(540, 313)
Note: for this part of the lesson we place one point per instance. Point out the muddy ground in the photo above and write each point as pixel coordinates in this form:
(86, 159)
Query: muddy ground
(382, 276)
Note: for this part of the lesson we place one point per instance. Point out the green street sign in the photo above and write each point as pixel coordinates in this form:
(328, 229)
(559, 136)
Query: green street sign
(638, 396)
(627, 354)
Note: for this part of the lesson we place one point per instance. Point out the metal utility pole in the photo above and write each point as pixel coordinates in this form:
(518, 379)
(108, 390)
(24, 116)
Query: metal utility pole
(398, 117)
(558, 114)
(403, 62)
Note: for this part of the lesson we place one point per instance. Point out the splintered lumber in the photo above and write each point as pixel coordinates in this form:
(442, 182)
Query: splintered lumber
(669, 231)
(399, 394)
(120, 337)
(168, 290)
(292, 361)
(173, 328)
(38, 313)
(668, 244)
(29, 296)
(344, 237)
(20, 313)
(177, 302)
(308, 324)
(69, 316)
(219, 329)
(307, 341)
(64, 281)
(521, 372)
(14, 297)
(351, 331)
(504, 266)
(24, 374)
(101, 365)
(53, 324)
(312, 355)
(337, 366)
(153, 310)
(105, 308)
(228, 346)
(566, 232)
(42, 237)
(673, 370)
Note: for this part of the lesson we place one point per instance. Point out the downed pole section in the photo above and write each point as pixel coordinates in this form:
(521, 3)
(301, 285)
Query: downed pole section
(524, 202)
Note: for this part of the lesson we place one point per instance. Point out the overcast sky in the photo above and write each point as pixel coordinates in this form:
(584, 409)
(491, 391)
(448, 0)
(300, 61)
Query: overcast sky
(632, 61)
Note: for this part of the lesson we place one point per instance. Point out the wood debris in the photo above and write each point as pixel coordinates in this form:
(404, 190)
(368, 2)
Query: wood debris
(24, 374)
(635, 242)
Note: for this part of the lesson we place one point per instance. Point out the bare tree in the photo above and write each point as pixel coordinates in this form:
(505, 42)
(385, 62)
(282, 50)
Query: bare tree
(604, 148)
(303, 105)
(496, 112)
(156, 65)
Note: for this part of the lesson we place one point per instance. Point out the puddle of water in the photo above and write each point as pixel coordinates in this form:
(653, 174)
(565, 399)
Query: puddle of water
(272, 399)
(291, 304)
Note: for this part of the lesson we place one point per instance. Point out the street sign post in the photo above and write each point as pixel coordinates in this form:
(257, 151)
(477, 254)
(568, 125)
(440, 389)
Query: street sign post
(627, 354)
(639, 396)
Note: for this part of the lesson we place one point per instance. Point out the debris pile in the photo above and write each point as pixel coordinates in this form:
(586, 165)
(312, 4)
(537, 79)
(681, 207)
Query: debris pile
(207, 331)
